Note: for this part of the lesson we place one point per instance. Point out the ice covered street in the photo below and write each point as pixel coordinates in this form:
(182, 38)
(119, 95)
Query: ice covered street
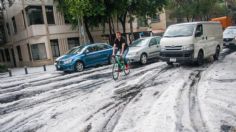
(152, 98)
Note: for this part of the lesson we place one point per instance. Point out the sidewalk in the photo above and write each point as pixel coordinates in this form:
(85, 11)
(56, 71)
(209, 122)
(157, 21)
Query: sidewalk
(31, 70)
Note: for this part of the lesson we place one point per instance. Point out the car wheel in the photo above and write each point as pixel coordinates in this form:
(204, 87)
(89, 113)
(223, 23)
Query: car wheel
(170, 63)
(79, 66)
(143, 59)
(200, 58)
(216, 56)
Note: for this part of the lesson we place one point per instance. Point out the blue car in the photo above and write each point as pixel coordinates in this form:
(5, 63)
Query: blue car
(84, 56)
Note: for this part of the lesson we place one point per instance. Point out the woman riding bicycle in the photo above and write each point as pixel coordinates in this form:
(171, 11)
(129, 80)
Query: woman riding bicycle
(122, 47)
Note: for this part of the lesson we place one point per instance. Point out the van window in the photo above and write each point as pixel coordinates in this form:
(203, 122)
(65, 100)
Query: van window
(180, 30)
(153, 42)
(199, 29)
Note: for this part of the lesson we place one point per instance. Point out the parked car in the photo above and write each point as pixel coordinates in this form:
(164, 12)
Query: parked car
(84, 56)
(191, 42)
(229, 37)
(143, 49)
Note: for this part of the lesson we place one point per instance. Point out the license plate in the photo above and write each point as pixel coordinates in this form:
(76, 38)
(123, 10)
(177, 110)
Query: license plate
(172, 59)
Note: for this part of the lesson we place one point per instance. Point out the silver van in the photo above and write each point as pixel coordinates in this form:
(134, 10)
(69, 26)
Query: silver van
(191, 42)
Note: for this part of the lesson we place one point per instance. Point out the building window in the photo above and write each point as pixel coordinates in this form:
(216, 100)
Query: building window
(155, 18)
(19, 53)
(38, 51)
(7, 55)
(73, 42)
(14, 25)
(34, 15)
(23, 15)
(2, 54)
(50, 15)
(8, 28)
(29, 52)
(55, 48)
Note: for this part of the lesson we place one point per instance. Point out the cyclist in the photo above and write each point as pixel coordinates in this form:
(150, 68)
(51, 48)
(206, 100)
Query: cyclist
(122, 47)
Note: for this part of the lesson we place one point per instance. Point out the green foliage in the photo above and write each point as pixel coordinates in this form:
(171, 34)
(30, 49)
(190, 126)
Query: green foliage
(76, 10)
(196, 9)
(100, 12)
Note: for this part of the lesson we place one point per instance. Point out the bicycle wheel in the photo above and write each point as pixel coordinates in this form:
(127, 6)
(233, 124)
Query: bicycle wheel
(127, 68)
(115, 71)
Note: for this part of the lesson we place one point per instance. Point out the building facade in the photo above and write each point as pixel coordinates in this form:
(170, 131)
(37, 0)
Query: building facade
(36, 33)
(156, 25)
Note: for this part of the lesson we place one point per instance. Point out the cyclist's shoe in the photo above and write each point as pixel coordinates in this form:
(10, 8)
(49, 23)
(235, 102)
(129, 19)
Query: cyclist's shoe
(126, 66)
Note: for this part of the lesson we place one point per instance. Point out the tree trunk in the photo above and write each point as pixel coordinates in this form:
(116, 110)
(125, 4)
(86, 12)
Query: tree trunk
(187, 18)
(122, 19)
(131, 30)
(117, 24)
(110, 30)
(87, 30)
(113, 26)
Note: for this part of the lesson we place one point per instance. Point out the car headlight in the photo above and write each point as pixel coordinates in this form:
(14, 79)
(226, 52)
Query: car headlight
(68, 61)
(162, 48)
(188, 47)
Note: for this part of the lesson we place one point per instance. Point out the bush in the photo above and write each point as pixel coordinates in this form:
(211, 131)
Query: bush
(3, 68)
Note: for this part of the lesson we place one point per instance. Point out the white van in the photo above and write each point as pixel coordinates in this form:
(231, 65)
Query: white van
(229, 37)
(191, 42)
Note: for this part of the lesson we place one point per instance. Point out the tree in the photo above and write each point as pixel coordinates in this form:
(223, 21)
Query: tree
(82, 13)
(137, 8)
(196, 9)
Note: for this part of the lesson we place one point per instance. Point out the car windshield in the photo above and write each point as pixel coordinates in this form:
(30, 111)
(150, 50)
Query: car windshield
(139, 42)
(76, 50)
(230, 31)
(180, 30)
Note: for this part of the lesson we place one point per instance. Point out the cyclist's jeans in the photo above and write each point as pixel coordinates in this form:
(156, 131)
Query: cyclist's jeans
(124, 55)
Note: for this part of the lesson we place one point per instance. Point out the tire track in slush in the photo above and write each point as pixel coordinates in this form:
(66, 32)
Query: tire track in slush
(188, 104)
(189, 92)
(59, 94)
(21, 105)
(21, 94)
(123, 98)
(53, 78)
(68, 94)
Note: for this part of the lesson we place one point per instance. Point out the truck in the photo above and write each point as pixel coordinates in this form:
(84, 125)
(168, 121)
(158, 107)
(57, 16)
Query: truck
(225, 21)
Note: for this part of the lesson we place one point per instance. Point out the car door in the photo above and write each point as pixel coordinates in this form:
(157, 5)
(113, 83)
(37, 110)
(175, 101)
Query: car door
(91, 56)
(158, 47)
(153, 48)
(103, 53)
(200, 40)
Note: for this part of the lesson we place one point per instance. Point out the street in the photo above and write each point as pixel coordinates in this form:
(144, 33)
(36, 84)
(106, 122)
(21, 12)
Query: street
(152, 98)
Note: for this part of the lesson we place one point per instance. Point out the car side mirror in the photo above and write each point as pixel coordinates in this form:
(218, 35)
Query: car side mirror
(198, 34)
(86, 52)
